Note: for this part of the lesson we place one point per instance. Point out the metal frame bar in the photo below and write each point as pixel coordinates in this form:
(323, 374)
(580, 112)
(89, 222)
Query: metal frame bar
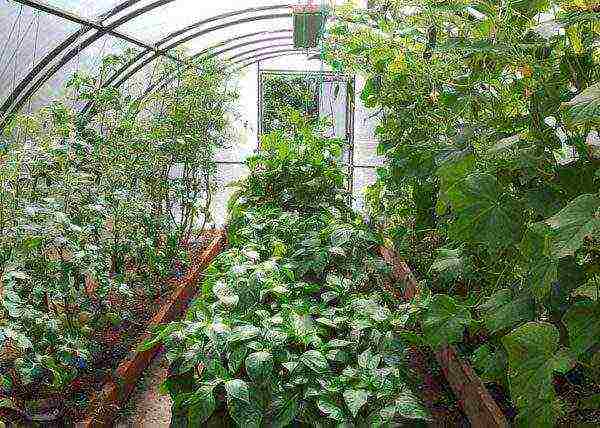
(148, 60)
(78, 19)
(125, 67)
(259, 58)
(190, 27)
(89, 104)
(13, 102)
(251, 51)
(16, 99)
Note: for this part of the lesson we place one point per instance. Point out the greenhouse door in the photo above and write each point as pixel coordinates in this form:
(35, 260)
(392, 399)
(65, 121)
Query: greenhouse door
(314, 93)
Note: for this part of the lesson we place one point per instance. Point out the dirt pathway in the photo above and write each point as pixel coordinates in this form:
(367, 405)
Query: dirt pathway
(148, 408)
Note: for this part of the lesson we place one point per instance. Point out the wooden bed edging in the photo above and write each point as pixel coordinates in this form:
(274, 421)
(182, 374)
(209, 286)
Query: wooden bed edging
(116, 390)
(472, 395)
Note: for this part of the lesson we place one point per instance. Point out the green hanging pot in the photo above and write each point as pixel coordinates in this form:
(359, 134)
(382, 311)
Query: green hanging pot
(308, 28)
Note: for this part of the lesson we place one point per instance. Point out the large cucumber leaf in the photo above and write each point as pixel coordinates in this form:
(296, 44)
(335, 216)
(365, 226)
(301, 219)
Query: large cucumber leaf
(444, 321)
(583, 323)
(585, 107)
(533, 356)
(578, 220)
(490, 363)
(484, 214)
(542, 268)
(502, 311)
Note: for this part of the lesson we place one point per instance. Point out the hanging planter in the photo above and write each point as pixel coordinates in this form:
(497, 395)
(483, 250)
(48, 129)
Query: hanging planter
(309, 22)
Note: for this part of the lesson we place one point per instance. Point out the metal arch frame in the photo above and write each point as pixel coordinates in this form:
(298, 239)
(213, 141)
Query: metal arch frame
(138, 57)
(190, 27)
(93, 25)
(162, 83)
(151, 87)
(151, 58)
(261, 57)
(117, 83)
(15, 100)
(251, 51)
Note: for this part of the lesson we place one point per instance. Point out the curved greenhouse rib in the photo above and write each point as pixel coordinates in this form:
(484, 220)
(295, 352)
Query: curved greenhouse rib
(16, 100)
(251, 51)
(164, 82)
(190, 27)
(152, 86)
(262, 57)
(138, 57)
(174, 44)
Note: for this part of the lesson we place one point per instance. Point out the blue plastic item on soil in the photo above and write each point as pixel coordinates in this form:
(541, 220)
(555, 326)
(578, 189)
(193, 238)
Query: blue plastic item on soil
(79, 362)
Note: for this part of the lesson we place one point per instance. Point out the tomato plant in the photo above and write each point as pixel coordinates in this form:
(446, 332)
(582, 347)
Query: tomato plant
(93, 212)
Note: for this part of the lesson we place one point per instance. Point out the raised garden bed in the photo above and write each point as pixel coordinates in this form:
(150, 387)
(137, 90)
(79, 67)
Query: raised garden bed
(121, 383)
(471, 393)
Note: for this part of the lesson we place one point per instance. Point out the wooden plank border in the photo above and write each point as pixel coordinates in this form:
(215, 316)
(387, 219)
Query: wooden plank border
(473, 397)
(117, 389)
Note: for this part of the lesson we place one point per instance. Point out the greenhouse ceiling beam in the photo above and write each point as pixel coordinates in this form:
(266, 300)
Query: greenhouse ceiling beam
(239, 45)
(16, 99)
(147, 61)
(164, 82)
(117, 83)
(151, 87)
(78, 19)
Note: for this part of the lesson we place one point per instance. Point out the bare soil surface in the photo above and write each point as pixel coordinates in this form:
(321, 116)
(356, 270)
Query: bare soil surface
(148, 408)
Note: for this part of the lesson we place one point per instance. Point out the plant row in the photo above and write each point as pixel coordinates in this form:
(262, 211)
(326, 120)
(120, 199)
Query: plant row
(94, 216)
(291, 324)
(489, 118)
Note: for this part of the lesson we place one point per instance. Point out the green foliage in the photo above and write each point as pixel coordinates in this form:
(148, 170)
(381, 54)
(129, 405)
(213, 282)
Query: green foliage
(533, 355)
(444, 321)
(292, 325)
(87, 214)
(498, 114)
(286, 95)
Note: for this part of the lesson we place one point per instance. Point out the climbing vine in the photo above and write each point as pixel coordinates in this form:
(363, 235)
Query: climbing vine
(490, 118)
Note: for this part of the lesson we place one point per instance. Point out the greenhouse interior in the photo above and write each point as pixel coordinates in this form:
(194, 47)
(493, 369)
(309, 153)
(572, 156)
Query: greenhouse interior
(323, 213)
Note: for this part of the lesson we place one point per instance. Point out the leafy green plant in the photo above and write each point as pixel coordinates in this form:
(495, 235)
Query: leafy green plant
(490, 186)
(91, 214)
(292, 324)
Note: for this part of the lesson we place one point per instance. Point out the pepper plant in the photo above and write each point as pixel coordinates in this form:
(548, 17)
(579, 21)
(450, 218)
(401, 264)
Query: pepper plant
(292, 324)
